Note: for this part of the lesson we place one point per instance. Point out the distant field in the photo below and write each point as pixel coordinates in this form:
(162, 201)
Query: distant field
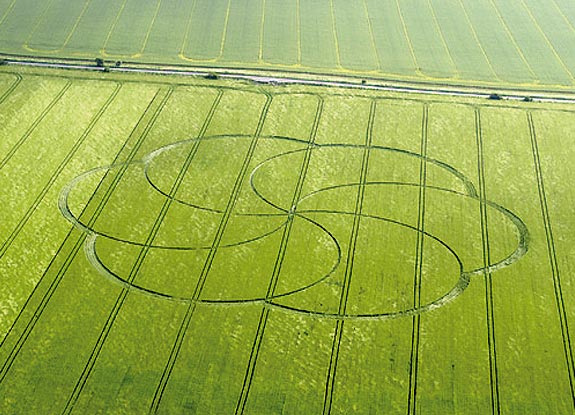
(511, 42)
(349, 254)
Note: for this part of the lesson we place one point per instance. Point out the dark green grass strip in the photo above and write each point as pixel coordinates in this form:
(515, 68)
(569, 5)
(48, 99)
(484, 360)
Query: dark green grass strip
(339, 327)
(11, 89)
(561, 310)
(138, 263)
(8, 242)
(418, 268)
(141, 131)
(493, 371)
(35, 124)
(250, 369)
(209, 260)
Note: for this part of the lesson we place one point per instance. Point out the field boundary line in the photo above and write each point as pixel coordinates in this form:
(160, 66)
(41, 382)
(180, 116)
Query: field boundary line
(82, 380)
(553, 262)
(264, 316)
(224, 32)
(289, 75)
(182, 54)
(113, 28)
(190, 311)
(11, 88)
(408, 39)
(68, 36)
(549, 44)
(37, 23)
(489, 305)
(53, 285)
(476, 37)
(418, 266)
(298, 30)
(560, 10)
(68, 236)
(513, 40)
(24, 219)
(442, 37)
(371, 35)
(34, 125)
(7, 12)
(349, 264)
(262, 31)
(76, 24)
(334, 33)
(150, 27)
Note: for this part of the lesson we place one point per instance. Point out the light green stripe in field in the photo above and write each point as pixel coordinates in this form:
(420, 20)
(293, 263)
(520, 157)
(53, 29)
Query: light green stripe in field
(23, 107)
(181, 117)
(168, 31)
(525, 360)
(554, 156)
(40, 144)
(153, 272)
(343, 122)
(304, 343)
(79, 299)
(19, 23)
(451, 331)
(317, 37)
(353, 35)
(556, 27)
(6, 7)
(502, 53)
(243, 34)
(383, 275)
(142, 350)
(94, 27)
(218, 345)
(19, 174)
(56, 25)
(207, 27)
(533, 43)
(131, 30)
(432, 56)
(105, 140)
(466, 52)
(280, 32)
(567, 8)
(391, 44)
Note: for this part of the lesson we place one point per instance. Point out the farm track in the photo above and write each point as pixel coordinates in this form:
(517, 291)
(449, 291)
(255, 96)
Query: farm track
(210, 258)
(491, 341)
(267, 303)
(122, 296)
(77, 245)
(6, 244)
(276, 77)
(264, 316)
(554, 264)
(418, 268)
(349, 265)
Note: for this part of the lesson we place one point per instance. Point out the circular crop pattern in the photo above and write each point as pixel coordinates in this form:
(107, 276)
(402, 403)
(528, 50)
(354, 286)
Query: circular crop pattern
(186, 224)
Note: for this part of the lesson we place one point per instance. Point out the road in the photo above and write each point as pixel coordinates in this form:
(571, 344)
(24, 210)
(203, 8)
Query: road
(287, 79)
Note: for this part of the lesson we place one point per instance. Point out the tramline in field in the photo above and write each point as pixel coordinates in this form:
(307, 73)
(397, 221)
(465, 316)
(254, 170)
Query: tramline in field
(352, 252)
(523, 43)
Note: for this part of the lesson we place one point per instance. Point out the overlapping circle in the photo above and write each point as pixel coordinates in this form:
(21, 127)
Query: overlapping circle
(320, 200)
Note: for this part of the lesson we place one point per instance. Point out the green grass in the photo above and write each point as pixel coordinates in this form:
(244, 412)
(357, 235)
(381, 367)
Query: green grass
(385, 198)
(514, 43)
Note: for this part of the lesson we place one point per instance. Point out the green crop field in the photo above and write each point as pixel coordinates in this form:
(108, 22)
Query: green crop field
(176, 245)
(512, 42)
